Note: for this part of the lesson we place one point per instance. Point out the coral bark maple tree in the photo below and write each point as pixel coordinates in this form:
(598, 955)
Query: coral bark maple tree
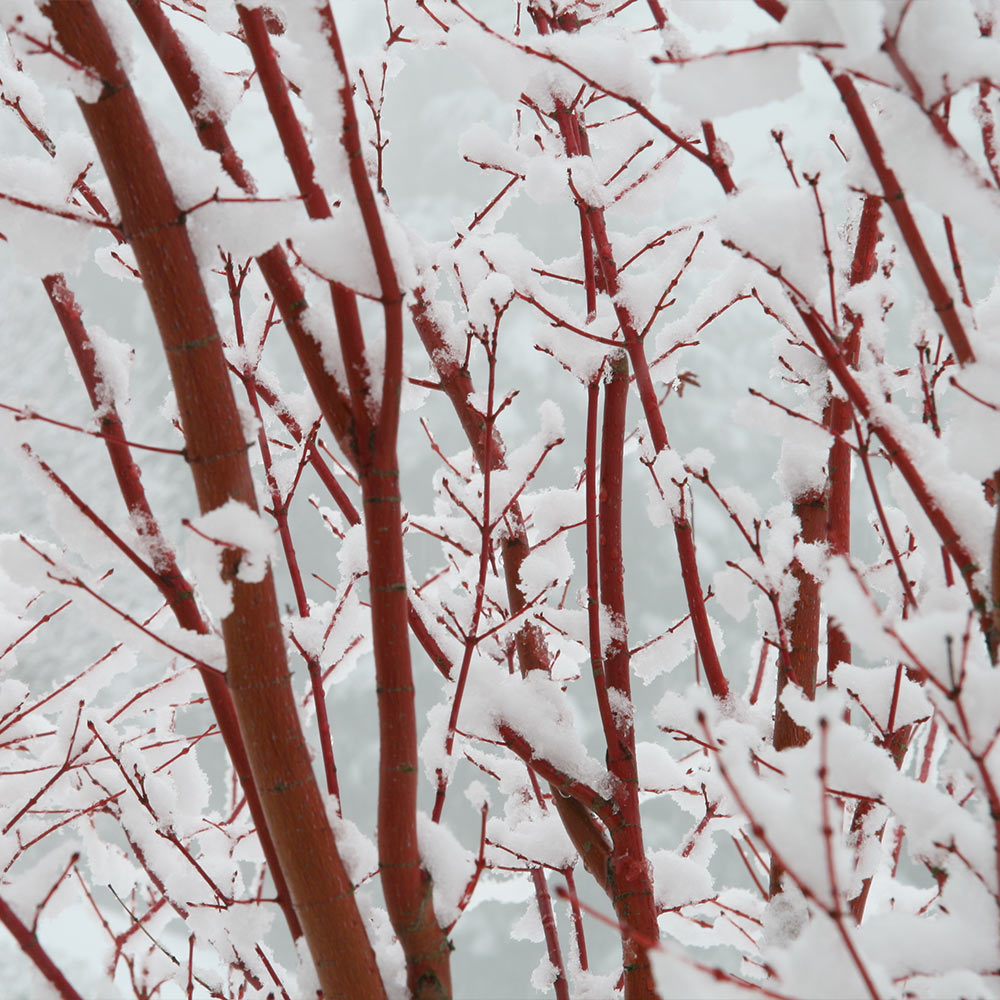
(819, 780)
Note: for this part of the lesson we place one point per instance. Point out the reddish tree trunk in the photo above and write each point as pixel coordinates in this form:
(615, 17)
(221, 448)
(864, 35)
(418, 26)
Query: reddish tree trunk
(257, 670)
(631, 888)
(800, 666)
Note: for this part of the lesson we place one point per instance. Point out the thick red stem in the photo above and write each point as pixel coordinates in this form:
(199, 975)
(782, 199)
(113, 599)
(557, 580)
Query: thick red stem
(216, 450)
(279, 511)
(775, 8)
(803, 625)
(803, 640)
(177, 62)
(612, 562)
(631, 882)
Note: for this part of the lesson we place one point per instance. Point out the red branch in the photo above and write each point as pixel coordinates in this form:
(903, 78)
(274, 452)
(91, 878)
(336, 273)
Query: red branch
(941, 299)
(405, 882)
(33, 949)
(257, 668)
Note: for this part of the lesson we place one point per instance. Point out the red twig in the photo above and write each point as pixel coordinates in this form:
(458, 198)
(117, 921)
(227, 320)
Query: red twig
(485, 526)
(38, 955)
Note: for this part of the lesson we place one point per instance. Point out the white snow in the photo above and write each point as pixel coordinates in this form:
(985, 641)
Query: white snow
(233, 525)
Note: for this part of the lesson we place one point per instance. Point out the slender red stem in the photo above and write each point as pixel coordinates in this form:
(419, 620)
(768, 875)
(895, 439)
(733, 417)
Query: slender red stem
(406, 884)
(485, 531)
(593, 598)
(38, 955)
(575, 142)
(950, 536)
(895, 197)
(544, 900)
(909, 601)
(578, 934)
